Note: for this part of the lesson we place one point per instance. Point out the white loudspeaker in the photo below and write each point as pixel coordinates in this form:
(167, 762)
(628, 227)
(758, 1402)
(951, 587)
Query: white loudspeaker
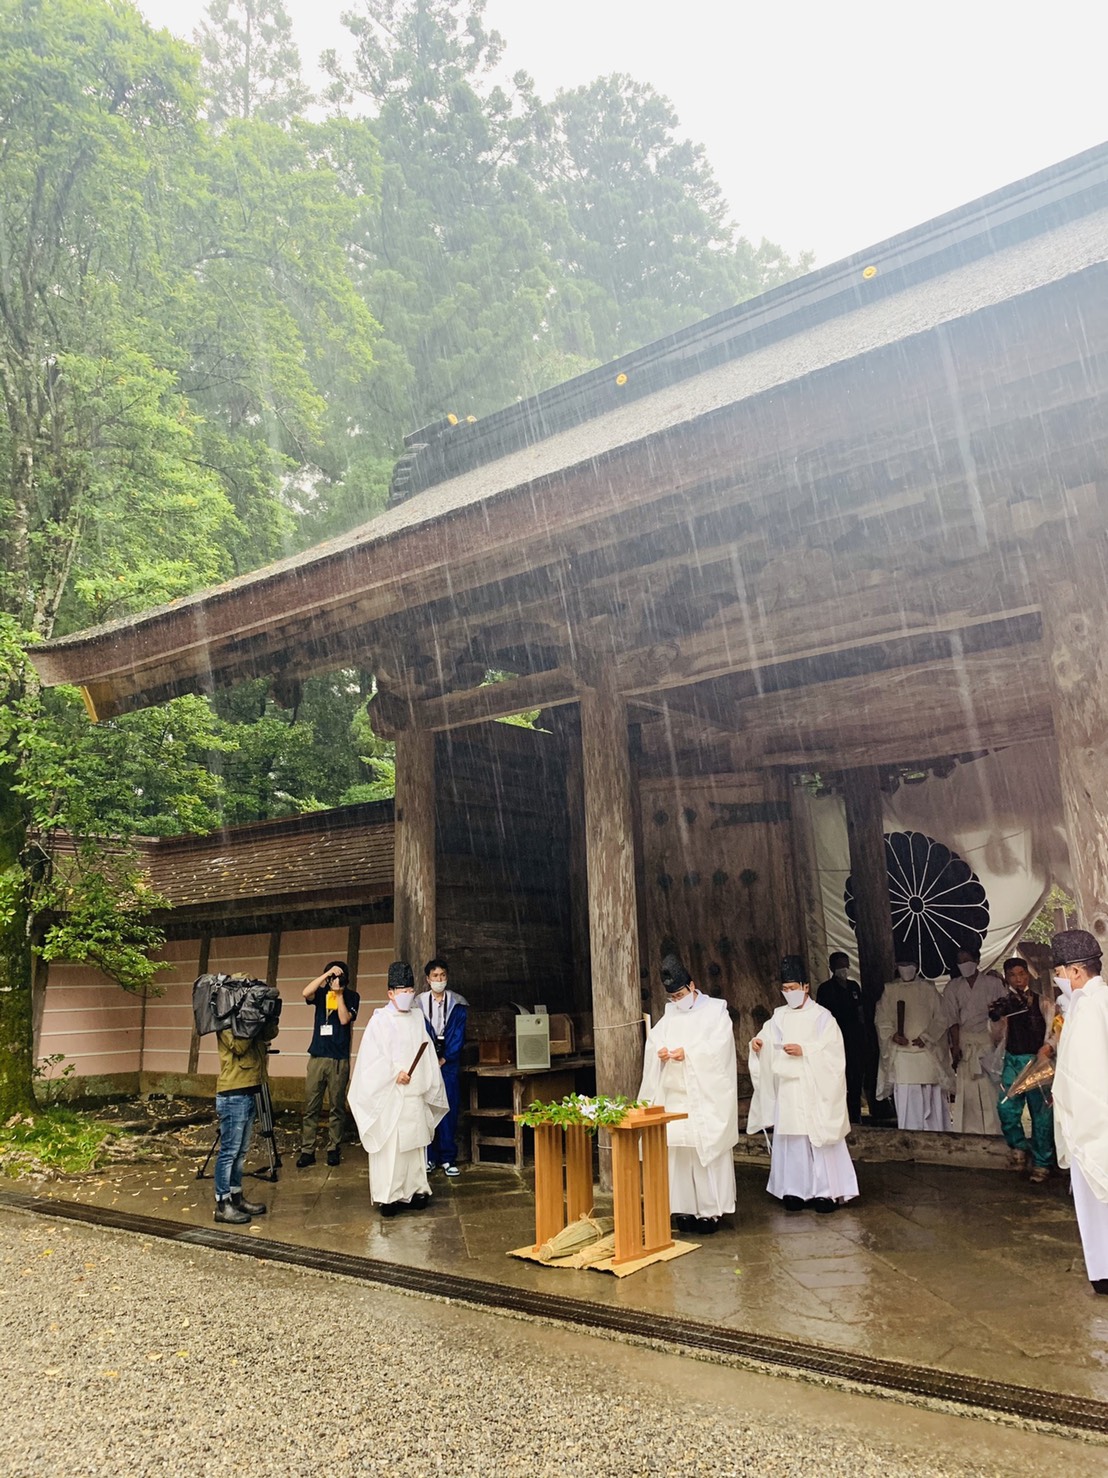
(533, 1042)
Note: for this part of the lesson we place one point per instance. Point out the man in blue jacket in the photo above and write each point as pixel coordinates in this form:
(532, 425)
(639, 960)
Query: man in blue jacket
(445, 1013)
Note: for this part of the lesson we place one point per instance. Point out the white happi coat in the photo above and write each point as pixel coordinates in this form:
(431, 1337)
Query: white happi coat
(1080, 1087)
(704, 1086)
(800, 1095)
(975, 1094)
(396, 1122)
(912, 1066)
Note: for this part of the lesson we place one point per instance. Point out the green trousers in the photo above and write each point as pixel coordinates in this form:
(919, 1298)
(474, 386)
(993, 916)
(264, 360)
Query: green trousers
(1011, 1113)
(328, 1075)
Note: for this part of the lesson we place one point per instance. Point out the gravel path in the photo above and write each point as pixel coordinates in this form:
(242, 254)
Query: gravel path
(128, 1357)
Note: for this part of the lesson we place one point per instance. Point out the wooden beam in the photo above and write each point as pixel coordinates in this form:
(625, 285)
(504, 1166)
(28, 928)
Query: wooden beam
(770, 625)
(742, 638)
(498, 700)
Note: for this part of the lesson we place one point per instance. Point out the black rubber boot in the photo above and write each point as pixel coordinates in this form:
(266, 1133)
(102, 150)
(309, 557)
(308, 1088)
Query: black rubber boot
(227, 1211)
(305, 1158)
(252, 1208)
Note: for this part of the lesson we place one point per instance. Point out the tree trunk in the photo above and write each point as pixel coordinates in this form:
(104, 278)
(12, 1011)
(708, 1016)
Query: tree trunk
(16, 973)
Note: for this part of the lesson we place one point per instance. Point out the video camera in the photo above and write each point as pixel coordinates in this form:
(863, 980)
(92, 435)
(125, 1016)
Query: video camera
(1005, 1006)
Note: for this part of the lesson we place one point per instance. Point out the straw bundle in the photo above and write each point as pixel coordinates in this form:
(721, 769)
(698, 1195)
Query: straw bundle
(576, 1237)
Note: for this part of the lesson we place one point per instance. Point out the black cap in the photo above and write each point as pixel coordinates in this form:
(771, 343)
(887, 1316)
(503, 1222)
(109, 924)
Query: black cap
(1074, 947)
(674, 975)
(793, 971)
(400, 976)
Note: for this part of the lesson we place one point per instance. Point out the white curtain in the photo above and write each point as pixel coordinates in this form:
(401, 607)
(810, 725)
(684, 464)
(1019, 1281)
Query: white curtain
(1002, 814)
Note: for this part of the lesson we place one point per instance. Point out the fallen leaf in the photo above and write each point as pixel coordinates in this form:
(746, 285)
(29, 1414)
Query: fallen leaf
(112, 1374)
(182, 1354)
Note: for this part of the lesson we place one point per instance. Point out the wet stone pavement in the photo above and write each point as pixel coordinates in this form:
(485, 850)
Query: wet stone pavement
(964, 1270)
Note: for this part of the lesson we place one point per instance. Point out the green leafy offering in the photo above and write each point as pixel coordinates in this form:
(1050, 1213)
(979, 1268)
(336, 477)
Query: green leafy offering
(601, 1112)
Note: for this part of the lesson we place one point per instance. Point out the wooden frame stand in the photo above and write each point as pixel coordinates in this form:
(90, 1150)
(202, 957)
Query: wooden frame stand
(563, 1178)
(640, 1184)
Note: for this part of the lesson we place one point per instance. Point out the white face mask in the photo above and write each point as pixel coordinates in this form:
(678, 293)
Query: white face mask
(403, 999)
(438, 986)
(966, 968)
(686, 1003)
(794, 998)
(1063, 984)
(842, 973)
(906, 972)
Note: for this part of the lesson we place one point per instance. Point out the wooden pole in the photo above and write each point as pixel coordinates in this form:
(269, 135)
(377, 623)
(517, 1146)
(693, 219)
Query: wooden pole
(1075, 634)
(613, 923)
(202, 958)
(414, 849)
(566, 722)
(787, 912)
(865, 829)
(813, 921)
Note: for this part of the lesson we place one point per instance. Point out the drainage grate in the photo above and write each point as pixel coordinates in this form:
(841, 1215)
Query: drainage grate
(1055, 1409)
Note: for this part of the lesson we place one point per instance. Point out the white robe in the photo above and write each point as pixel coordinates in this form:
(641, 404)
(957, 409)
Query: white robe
(704, 1086)
(1080, 1092)
(975, 1093)
(396, 1122)
(803, 1100)
(918, 1079)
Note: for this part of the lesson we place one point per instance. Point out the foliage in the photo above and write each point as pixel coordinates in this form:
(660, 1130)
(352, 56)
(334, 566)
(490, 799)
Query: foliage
(251, 65)
(51, 1085)
(55, 1138)
(1044, 925)
(601, 1112)
(648, 246)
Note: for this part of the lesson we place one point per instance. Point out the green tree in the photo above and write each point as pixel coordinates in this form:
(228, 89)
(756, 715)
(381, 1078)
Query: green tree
(455, 256)
(174, 312)
(251, 64)
(649, 244)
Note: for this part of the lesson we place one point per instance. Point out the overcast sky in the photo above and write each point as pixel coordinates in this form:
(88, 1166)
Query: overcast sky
(829, 126)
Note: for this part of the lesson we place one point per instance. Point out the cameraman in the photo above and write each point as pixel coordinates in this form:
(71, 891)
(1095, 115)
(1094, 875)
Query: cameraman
(242, 1071)
(336, 1008)
(1021, 1020)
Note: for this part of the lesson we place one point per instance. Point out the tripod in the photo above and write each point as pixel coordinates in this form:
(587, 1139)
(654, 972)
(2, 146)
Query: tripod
(266, 1131)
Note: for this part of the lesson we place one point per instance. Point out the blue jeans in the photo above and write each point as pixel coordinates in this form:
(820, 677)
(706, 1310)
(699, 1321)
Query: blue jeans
(236, 1122)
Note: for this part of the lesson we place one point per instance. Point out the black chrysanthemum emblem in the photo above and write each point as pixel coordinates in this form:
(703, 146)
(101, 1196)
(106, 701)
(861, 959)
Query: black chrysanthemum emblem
(938, 903)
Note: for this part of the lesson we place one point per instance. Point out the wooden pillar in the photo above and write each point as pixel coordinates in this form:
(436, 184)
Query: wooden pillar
(414, 854)
(809, 894)
(865, 828)
(353, 951)
(203, 956)
(1075, 634)
(273, 960)
(566, 722)
(634, 751)
(613, 923)
(787, 914)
